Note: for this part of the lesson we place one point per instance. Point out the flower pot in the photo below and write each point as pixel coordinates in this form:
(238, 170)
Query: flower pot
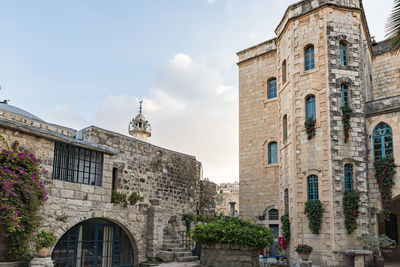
(379, 261)
(304, 256)
(42, 252)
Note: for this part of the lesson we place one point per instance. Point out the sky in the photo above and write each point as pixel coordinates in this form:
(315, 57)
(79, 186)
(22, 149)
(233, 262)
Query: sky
(79, 63)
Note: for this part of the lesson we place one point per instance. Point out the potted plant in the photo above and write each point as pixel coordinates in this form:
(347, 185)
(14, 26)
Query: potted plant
(43, 241)
(377, 244)
(304, 251)
(134, 198)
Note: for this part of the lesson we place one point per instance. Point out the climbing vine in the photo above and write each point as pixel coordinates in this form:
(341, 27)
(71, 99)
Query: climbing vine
(384, 173)
(351, 203)
(313, 209)
(285, 227)
(21, 194)
(310, 127)
(347, 113)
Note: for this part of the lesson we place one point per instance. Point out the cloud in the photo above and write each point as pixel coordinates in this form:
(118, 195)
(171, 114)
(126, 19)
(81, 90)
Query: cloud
(190, 109)
(211, 1)
(67, 116)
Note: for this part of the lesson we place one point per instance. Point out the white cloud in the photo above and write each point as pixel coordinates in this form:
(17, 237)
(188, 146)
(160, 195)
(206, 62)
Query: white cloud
(67, 116)
(211, 1)
(190, 109)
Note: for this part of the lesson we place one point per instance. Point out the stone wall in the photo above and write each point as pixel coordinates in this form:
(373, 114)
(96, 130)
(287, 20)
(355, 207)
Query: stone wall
(170, 177)
(226, 193)
(207, 197)
(385, 72)
(222, 255)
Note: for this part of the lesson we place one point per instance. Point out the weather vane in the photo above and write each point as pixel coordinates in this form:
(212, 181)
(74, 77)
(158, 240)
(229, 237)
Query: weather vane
(140, 106)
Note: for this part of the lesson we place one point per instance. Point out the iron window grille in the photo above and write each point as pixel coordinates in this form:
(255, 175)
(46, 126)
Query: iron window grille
(345, 95)
(343, 54)
(310, 108)
(77, 165)
(312, 184)
(272, 88)
(309, 60)
(272, 153)
(348, 177)
(383, 141)
(273, 215)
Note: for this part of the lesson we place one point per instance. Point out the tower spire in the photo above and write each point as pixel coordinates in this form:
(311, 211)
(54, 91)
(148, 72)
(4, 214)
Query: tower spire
(139, 127)
(140, 106)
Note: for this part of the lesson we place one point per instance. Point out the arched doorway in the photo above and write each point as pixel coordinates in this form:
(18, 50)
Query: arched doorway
(94, 243)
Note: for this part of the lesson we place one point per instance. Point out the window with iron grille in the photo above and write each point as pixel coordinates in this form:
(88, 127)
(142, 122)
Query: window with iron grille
(272, 153)
(345, 95)
(348, 177)
(287, 201)
(310, 107)
(309, 61)
(77, 165)
(271, 88)
(273, 215)
(312, 186)
(383, 141)
(343, 54)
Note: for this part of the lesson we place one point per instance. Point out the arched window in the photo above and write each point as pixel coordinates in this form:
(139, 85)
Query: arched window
(271, 88)
(287, 201)
(273, 214)
(312, 187)
(309, 61)
(345, 95)
(95, 242)
(383, 141)
(310, 107)
(272, 153)
(343, 54)
(285, 130)
(348, 177)
(284, 74)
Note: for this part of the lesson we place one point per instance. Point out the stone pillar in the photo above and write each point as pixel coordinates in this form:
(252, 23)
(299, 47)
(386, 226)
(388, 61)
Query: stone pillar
(232, 208)
(359, 261)
(154, 230)
(41, 262)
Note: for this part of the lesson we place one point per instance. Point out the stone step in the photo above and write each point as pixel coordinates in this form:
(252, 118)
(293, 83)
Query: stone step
(166, 256)
(179, 250)
(171, 241)
(186, 259)
(169, 247)
(146, 264)
(183, 254)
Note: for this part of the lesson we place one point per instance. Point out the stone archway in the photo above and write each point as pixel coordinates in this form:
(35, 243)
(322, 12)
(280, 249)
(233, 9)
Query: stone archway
(391, 228)
(96, 242)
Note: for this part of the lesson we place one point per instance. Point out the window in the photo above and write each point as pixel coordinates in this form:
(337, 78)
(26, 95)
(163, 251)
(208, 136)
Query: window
(284, 74)
(284, 126)
(309, 61)
(76, 164)
(287, 201)
(348, 177)
(312, 187)
(310, 107)
(272, 153)
(343, 54)
(345, 95)
(271, 88)
(383, 141)
(273, 214)
(114, 185)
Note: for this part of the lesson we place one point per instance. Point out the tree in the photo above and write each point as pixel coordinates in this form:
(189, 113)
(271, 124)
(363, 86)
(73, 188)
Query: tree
(393, 27)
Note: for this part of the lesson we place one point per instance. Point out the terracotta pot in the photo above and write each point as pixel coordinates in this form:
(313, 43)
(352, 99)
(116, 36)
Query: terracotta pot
(379, 261)
(304, 256)
(42, 252)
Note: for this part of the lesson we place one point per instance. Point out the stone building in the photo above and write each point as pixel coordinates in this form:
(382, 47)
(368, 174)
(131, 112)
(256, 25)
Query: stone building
(322, 58)
(81, 168)
(227, 193)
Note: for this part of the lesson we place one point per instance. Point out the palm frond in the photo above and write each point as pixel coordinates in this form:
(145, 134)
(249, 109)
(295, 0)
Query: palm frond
(393, 27)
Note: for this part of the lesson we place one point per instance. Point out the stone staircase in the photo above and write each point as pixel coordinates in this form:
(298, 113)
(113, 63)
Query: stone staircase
(175, 250)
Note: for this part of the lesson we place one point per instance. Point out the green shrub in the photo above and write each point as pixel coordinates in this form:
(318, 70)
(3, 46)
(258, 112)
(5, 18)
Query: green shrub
(351, 203)
(304, 248)
(233, 231)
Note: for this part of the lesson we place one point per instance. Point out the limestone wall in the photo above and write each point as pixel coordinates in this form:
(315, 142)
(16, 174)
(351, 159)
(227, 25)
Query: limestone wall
(258, 126)
(385, 74)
